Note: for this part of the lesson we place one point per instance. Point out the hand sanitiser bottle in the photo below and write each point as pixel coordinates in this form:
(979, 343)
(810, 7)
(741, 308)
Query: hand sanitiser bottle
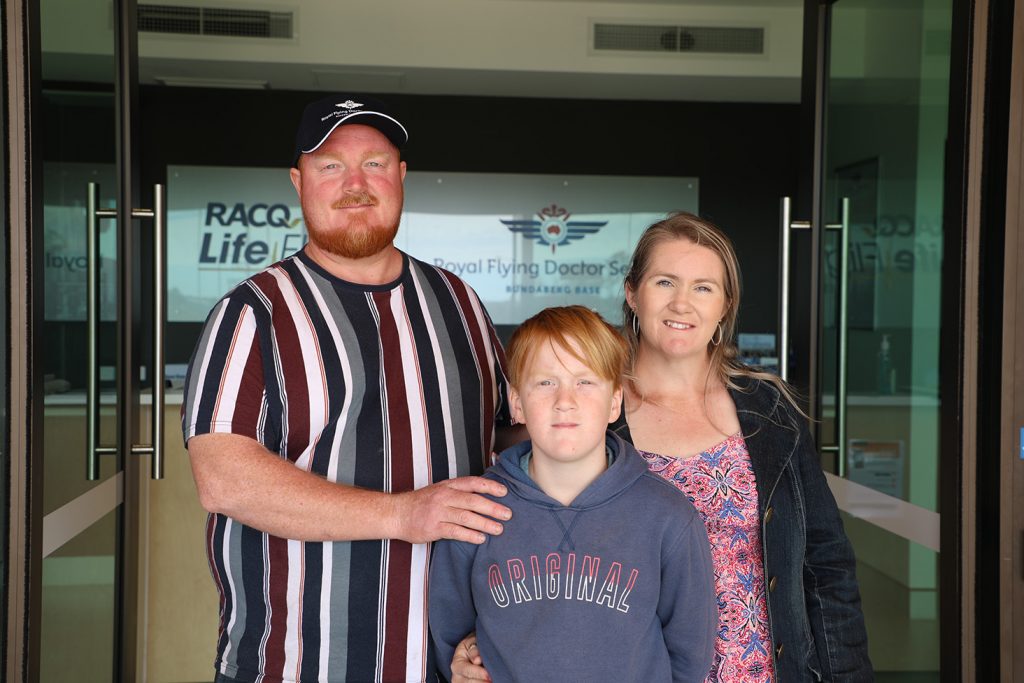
(885, 374)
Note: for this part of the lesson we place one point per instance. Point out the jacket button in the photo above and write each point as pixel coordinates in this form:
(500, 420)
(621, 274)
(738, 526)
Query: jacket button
(771, 584)
(778, 651)
(768, 515)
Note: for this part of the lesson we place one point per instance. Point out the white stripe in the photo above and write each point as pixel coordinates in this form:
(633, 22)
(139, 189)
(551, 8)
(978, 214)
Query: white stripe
(442, 378)
(383, 387)
(904, 519)
(293, 604)
(270, 608)
(234, 369)
(382, 613)
(416, 638)
(382, 595)
(485, 328)
(312, 365)
(203, 367)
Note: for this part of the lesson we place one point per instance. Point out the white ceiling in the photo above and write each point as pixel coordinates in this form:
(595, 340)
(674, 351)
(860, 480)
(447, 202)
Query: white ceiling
(527, 48)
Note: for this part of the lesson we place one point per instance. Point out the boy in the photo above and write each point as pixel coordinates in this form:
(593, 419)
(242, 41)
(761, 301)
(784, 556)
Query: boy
(604, 572)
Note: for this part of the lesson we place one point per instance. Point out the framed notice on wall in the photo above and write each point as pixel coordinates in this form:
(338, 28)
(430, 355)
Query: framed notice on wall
(524, 242)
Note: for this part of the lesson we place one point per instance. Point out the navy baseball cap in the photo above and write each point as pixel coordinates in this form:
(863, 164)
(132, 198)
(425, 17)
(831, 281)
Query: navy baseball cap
(320, 118)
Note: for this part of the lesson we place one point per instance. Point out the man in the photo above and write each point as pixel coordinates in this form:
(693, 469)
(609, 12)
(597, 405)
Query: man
(334, 404)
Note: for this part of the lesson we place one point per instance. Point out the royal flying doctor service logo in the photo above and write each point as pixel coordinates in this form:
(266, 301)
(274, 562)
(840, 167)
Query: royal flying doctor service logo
(347, 108)
(554, 227)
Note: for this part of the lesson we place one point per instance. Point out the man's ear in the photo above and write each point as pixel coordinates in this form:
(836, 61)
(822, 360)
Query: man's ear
(296, 176)
(402, 167)
(516, 404)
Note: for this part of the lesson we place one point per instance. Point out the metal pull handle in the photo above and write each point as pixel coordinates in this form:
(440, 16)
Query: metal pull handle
(93, 214)
(842, 332)
(786, 224)
(156, 449)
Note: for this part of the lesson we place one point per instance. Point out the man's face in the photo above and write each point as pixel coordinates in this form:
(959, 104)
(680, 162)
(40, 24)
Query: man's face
(350, 189)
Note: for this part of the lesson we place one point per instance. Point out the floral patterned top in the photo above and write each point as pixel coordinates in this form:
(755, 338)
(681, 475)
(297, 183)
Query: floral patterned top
(720, 484)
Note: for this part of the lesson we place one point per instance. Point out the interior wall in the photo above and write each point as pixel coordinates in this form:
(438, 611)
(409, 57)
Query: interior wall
(742, 154)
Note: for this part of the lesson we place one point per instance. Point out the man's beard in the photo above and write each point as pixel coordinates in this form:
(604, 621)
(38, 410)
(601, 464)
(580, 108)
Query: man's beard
(358, 239)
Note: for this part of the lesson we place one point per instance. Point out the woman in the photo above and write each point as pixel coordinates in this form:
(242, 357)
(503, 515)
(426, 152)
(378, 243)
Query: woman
(734, 441)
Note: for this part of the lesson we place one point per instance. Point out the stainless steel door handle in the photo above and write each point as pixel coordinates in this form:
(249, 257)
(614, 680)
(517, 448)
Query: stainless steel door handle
(93, 214)
(786, 224)
(842, 332)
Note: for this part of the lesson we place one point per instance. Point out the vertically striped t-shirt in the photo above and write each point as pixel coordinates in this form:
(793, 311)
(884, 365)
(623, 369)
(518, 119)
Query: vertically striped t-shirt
(388, 387)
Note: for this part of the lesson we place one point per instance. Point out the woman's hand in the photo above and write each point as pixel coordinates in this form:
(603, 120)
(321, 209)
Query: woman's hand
(467, 664)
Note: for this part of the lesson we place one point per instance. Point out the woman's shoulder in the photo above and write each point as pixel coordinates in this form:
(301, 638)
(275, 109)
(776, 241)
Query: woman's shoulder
(766, 396)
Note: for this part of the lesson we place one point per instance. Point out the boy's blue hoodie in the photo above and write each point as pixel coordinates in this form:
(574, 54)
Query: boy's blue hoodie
(617, 586)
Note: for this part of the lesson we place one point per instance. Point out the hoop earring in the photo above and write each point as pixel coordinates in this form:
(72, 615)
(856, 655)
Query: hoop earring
(721, 335)
(636, 324)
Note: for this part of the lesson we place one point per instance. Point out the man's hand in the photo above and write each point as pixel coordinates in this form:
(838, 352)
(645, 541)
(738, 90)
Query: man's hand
(467, 666)
(236, 476)
(450, 509)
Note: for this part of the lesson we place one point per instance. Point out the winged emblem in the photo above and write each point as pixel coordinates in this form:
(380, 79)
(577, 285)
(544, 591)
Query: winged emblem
(552, 226)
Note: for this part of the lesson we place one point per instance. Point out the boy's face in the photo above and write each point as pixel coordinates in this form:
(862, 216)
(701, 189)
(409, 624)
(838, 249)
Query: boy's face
(565, 405)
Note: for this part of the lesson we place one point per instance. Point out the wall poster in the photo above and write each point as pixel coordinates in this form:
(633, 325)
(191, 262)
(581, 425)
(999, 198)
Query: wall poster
(523, 242)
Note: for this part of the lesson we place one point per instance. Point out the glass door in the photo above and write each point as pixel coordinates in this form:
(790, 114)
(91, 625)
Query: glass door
(883, 96)
(87, 284)
(82, 513)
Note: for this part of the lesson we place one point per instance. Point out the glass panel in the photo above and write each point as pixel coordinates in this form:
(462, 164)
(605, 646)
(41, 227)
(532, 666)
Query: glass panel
(78, 146)
(886, 109)
(79, 588)
(902, 621)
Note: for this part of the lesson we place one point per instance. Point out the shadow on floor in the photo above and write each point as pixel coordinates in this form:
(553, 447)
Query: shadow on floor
(906, 677)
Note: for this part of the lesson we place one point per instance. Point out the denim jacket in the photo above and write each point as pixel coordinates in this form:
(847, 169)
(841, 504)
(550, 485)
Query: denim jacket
(814, 611)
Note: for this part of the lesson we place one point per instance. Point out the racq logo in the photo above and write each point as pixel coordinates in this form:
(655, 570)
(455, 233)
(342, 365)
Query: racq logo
(554, 227)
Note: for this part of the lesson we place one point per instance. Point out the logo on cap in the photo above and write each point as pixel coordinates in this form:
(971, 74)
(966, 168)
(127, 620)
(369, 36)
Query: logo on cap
(554, 227)
(349, 104)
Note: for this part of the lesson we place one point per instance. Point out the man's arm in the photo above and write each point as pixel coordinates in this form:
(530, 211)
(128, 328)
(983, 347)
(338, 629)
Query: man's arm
(238, 477)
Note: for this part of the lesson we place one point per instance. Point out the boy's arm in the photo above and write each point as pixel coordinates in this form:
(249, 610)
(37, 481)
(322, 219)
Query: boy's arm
(451, 611)
(687, 605)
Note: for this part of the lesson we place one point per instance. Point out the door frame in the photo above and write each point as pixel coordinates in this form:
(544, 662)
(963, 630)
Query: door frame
(23, 220)
(960, 306)
(20, 566)
(1009, 562)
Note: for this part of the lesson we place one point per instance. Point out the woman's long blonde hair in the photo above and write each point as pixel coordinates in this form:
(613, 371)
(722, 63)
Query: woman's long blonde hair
(722, 356)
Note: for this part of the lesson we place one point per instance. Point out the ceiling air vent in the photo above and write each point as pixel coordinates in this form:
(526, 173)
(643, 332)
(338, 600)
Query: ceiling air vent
(702, 39)
(209, 21)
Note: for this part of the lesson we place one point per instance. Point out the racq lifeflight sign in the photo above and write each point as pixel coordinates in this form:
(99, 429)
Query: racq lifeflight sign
(523, 242)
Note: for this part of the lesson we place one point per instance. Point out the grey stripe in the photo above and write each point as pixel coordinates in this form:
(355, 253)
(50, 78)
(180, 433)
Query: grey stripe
(446, 359)
(238, 597)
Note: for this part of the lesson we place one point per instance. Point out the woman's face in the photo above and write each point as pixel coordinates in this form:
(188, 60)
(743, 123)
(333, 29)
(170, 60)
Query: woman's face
(679, 299)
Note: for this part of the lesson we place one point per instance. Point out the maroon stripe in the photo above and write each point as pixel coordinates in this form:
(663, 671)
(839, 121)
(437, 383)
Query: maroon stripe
(293, 368)
(400, 436)
(277, 587)
(246, 418)
(487, 389)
